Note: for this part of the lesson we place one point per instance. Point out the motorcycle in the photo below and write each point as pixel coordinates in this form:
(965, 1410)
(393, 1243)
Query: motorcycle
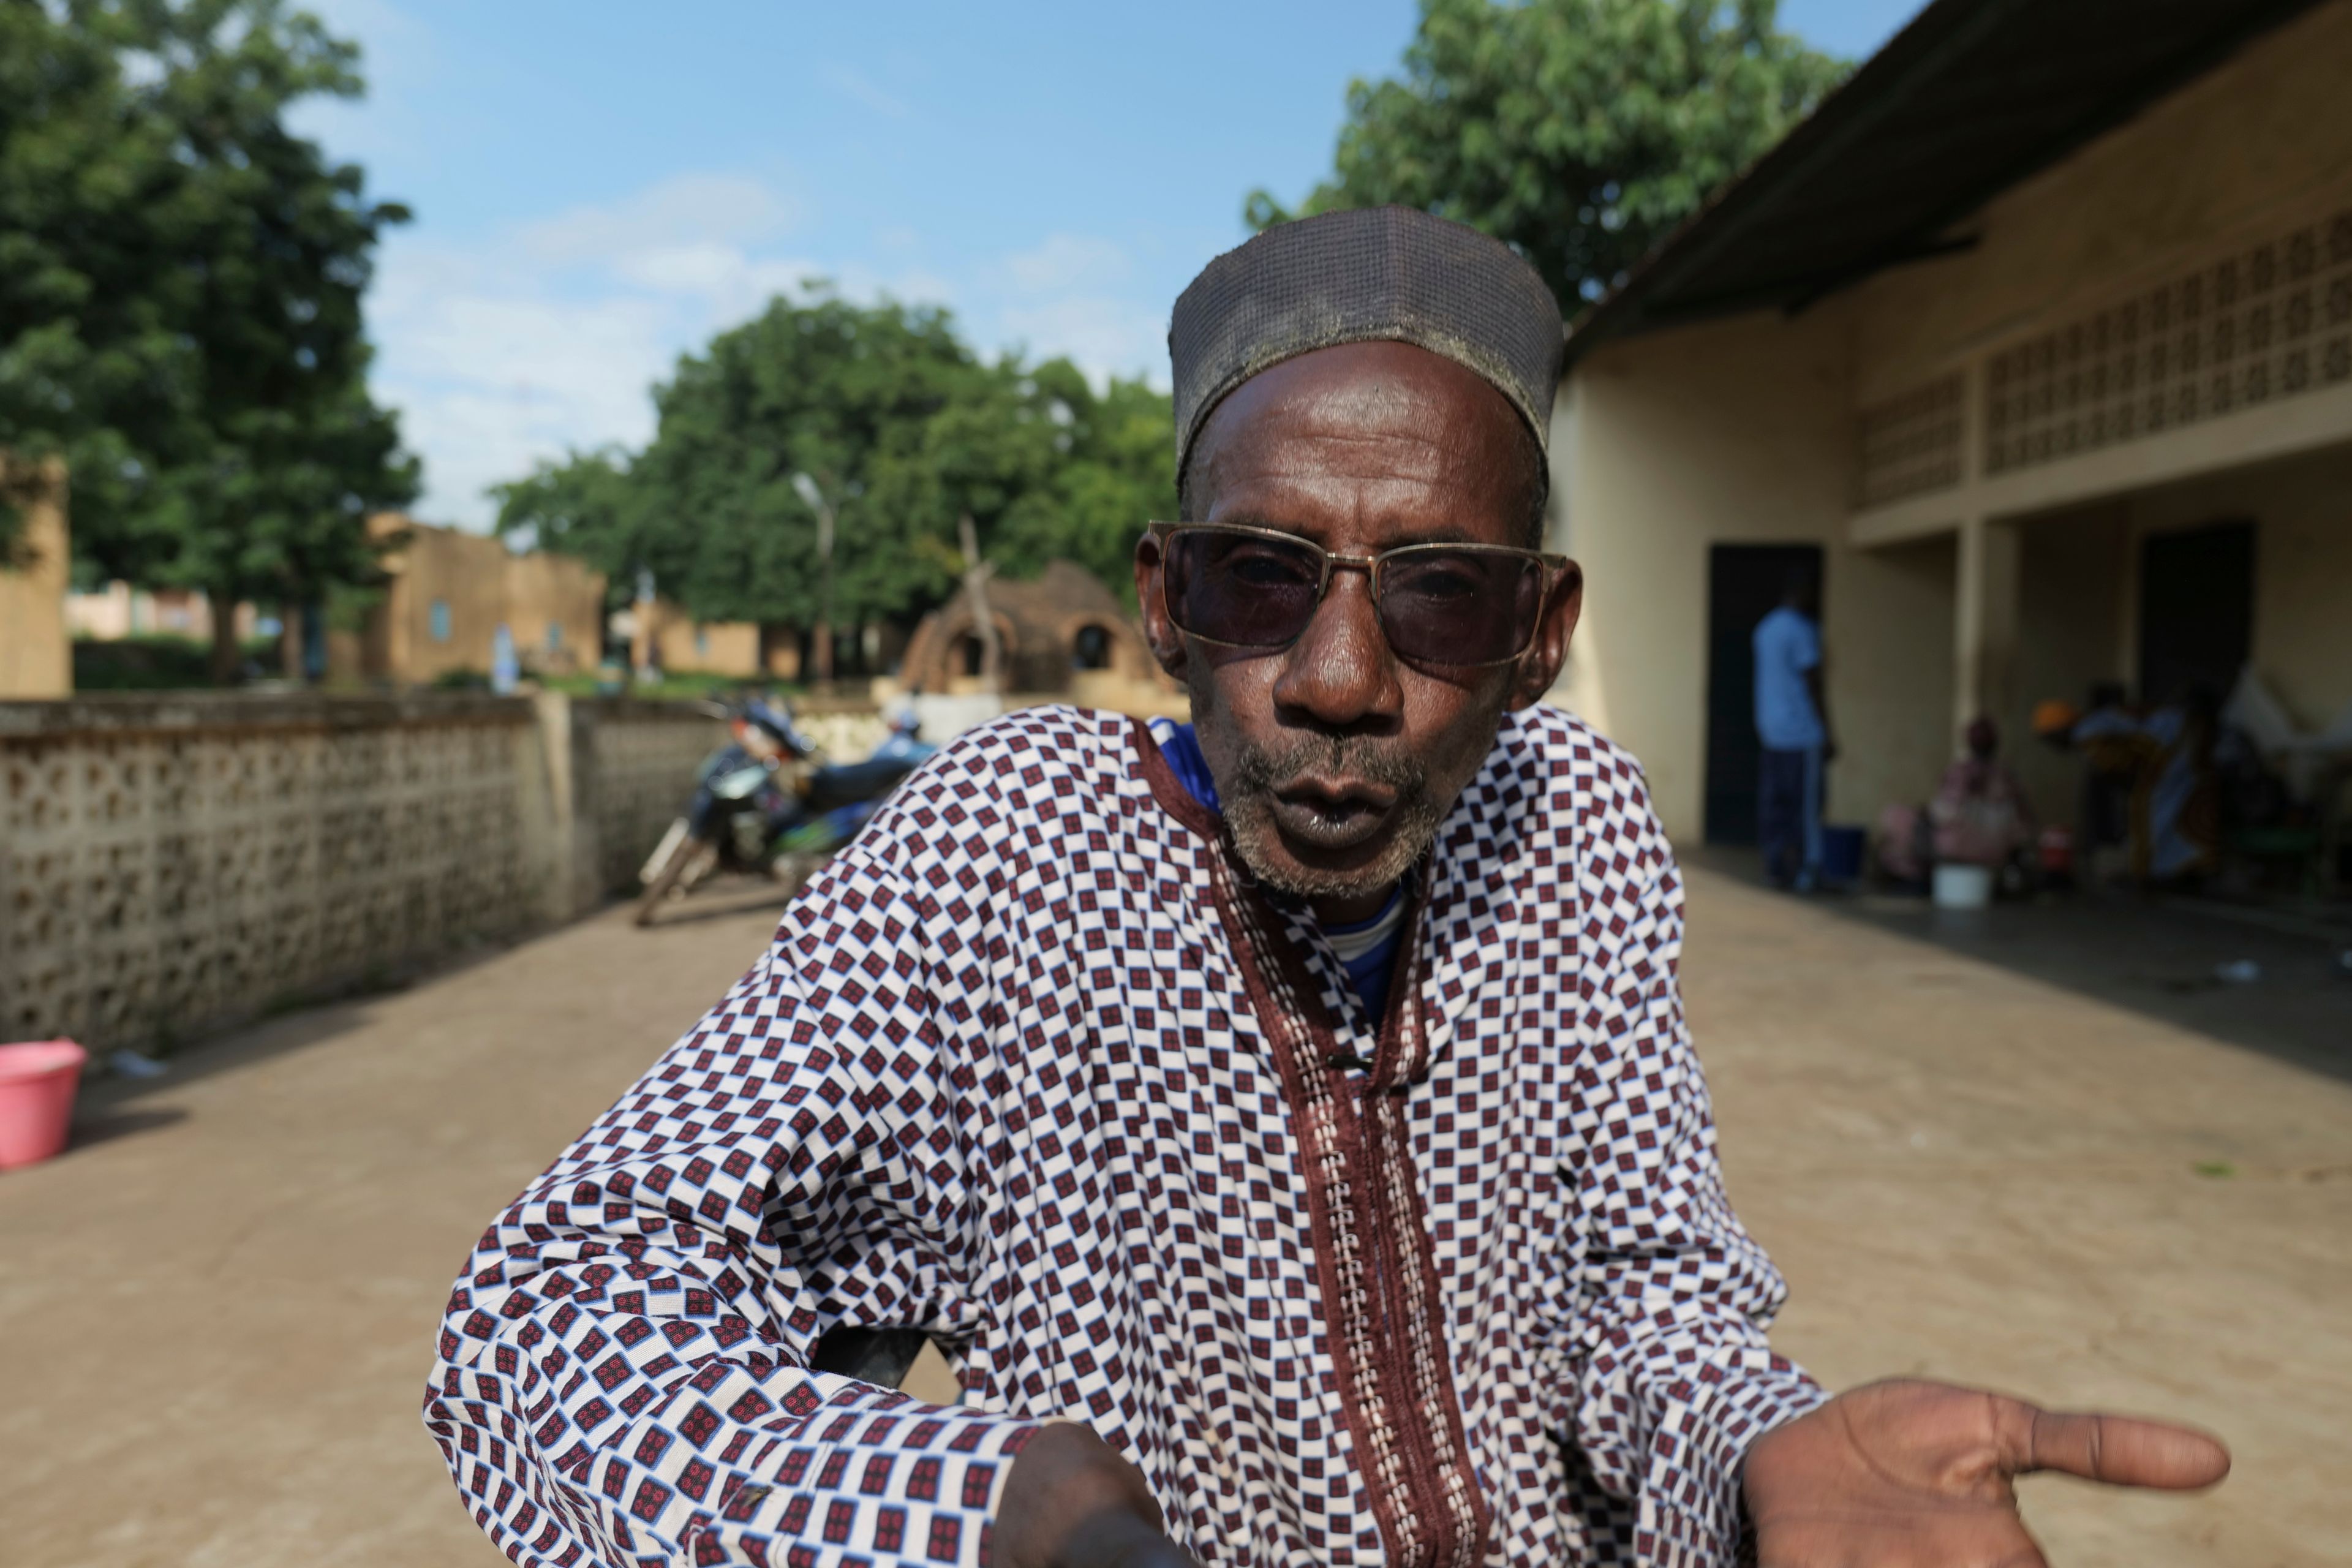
(765, 804)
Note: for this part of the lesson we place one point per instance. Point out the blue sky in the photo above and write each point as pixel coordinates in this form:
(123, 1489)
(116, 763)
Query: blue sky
(600, 186)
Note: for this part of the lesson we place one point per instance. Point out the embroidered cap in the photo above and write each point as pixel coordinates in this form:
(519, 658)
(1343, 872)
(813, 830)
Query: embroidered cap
(1373, 274)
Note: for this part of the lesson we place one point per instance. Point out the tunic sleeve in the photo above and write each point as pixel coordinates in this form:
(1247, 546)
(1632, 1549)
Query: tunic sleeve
(622, 1375)
(1674, 1376)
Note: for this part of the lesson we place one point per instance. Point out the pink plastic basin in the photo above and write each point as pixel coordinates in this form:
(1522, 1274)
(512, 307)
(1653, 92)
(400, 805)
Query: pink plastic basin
(38, 1081)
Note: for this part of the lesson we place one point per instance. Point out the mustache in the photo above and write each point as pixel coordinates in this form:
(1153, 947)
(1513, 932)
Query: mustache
(1261, 768)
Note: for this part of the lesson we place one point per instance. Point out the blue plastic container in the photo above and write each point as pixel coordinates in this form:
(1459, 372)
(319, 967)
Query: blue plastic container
(1841, 853)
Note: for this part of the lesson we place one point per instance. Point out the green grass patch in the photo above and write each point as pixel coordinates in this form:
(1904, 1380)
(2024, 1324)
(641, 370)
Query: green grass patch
(687, 684)
(157, 661)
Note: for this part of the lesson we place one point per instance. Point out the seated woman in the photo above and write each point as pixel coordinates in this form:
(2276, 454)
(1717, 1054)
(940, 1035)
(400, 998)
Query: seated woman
(1981, 815)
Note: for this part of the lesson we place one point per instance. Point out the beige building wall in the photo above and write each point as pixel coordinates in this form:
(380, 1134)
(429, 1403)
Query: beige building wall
(1888, 646)
(2075, 589)
(447, 597)
(35, 652)
(555, 608)
(2302, 512)
(2255, 145)
(688, 646)
(2003, 584)
(1736, 432)
(448, 592)
(119, 610)
(2079, 590)
(2257, 152)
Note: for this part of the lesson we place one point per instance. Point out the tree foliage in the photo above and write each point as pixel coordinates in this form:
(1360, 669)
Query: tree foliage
(903, 428)
(180, 293)
(1580, 131)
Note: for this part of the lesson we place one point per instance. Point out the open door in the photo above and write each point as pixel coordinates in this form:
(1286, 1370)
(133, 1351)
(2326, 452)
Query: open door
(2196, 611)
(1745, 583)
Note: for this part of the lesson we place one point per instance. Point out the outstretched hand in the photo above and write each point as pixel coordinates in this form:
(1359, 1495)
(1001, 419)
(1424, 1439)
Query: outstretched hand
(1905, 1473)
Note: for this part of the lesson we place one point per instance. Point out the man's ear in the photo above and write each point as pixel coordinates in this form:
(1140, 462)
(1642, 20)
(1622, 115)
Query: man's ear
(1166, 642)
(1540, 666)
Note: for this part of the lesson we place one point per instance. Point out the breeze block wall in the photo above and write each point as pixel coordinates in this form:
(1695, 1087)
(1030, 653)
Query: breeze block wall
(170, 864)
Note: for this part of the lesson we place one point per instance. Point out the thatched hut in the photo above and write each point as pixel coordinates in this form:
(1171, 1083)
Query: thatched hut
(1059, 633)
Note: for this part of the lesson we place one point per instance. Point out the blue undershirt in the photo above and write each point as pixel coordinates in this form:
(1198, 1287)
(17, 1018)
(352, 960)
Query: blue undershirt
(1369, 969)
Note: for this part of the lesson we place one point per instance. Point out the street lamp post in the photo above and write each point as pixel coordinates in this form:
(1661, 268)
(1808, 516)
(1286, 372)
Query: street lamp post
(805, 487)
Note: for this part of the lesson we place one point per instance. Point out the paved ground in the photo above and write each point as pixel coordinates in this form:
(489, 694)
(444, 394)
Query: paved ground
(214, 1313)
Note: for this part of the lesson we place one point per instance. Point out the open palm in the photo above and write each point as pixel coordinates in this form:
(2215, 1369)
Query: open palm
(1918, 1475)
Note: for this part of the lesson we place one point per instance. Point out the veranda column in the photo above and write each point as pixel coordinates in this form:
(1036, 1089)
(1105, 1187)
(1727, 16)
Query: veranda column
(1985, 622)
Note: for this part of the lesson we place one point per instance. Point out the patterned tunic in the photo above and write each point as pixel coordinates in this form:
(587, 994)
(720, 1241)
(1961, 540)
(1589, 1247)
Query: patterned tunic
(1035, 1066)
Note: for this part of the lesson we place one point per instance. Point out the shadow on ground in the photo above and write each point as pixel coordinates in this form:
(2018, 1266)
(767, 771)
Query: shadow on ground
(104, 1110)
(2163, 960)
(724, 900)
(107, 1108)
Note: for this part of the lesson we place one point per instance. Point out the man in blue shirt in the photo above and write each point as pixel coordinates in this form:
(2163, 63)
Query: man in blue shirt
(1792, 722)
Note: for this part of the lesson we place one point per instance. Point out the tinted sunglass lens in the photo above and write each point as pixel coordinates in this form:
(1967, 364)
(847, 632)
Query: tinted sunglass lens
(1460, 606)
(1240, 588)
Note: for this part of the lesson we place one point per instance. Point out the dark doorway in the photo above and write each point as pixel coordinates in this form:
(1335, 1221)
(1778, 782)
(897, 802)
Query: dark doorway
(1743, 584)
(2195, 610)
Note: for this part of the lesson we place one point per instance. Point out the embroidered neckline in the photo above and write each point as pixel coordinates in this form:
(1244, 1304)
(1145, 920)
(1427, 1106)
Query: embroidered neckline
(1381, 1300)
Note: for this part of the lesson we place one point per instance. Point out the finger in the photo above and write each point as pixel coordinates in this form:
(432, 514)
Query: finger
(2117, 1449)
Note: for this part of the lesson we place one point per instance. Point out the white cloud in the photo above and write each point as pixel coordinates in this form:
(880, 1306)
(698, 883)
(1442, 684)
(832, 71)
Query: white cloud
(505, 348)
(1066, 298)
(493, 369)
(684, 208)
(727, 283)
(859, 87)
(1066, 261)
(550, 334)
(1102, 335)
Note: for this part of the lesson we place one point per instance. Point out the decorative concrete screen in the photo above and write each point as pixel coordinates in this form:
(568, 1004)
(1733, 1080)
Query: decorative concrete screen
(1909, 445)
(2268, 322)
(642, 757)
(168, 863)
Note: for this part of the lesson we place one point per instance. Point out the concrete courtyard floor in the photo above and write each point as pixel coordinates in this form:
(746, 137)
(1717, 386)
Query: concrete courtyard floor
(215, 1310)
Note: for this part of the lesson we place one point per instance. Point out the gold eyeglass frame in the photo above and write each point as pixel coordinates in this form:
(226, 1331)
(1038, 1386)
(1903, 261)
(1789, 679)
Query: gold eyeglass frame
(1552, 565)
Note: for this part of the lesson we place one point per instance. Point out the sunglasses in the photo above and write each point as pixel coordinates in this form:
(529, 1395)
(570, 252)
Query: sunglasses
(1438, 603)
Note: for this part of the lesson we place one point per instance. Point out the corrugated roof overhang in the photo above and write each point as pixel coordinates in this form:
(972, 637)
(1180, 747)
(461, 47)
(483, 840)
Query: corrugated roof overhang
(1969, 100)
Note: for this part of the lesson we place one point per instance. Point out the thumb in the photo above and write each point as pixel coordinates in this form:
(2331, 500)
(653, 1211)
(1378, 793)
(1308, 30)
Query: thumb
(2117, 1449)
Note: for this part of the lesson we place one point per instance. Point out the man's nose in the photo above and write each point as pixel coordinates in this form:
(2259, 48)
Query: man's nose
(1339, 674)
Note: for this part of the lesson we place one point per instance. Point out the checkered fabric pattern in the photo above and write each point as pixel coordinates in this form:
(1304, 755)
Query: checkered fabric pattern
(1030, 1065)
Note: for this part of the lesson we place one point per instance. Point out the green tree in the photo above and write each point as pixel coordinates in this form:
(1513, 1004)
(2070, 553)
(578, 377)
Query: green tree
(905, 430)
(586, 506)
(1580, 131)
(1113, 471)
(822, 387)
(179, 296)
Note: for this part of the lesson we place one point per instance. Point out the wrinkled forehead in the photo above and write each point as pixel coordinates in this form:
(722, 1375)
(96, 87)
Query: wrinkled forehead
(1386, 392)
(1379, 432)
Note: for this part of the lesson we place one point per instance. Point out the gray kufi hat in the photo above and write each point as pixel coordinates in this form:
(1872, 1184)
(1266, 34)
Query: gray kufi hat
(1373, 274)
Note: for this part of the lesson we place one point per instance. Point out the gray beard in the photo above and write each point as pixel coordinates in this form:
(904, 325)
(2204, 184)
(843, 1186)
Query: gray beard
(1248, 799)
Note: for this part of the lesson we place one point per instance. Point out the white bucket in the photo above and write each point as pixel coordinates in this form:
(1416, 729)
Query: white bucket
(944, 716)
(1961, 887)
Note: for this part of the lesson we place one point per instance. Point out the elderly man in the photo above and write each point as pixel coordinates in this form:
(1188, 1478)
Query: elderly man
(1288, 1122)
